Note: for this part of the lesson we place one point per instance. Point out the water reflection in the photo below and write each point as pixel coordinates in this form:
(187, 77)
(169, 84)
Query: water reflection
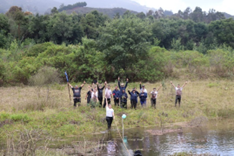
(213, 139)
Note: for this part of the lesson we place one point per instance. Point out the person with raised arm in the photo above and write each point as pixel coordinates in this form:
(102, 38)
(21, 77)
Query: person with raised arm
(178, 92)
(100, 93)
(122, 87)
(116, 95)
(94, 95)
(143, 97)
(76, 93)
(124, 99)
(88, 95)
(110, 116)
(154, 95)
(134, 96)
(108, 94)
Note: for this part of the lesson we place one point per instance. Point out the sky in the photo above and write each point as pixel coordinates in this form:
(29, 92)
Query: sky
(175, 5)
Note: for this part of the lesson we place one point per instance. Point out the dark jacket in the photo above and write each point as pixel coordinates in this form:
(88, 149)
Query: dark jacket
(124, 97)
(76, 92)
(133, 96)
(100, 91)
(143, 96)
(122, 88)
(116, 94)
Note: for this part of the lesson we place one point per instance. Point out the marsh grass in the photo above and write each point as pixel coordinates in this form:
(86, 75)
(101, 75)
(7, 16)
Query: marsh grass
(21, 108)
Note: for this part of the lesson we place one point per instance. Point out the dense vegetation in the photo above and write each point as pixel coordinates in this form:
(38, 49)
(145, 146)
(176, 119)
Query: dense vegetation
(79, 4)
(142, 47)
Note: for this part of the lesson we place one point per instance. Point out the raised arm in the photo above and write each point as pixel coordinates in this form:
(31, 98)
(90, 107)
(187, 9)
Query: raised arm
(104, 85)
(129, 92)
(83, 84)
(106, 102)
(70, 85)
(119, 82)
(159, 87)
(173, 84)
(185, 84)
(126, 85)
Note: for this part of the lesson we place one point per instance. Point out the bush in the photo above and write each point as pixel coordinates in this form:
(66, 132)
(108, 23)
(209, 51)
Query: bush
(45, 76)
(20, 117)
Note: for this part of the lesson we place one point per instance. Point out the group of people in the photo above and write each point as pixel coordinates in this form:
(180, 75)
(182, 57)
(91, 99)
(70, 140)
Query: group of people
(119, 96)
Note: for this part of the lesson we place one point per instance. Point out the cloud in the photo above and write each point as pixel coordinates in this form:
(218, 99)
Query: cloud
(226, 6)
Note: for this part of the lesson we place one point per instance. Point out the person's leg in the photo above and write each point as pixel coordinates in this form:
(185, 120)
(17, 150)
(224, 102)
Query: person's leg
(176, 100)
(100, 101)
(88, 101)
(152, 102)
(179, 99)
(155, 100)
(110, 122)
(107, 120)
(74, 102)
(104, 105)
(134, 104)
(117, 100)
(131, 104)
(79, 102)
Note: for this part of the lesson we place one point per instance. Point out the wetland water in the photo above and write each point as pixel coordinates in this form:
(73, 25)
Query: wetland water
(217, 138)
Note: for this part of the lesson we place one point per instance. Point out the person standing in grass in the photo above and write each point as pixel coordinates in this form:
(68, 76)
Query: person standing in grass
(108, 94)
(143, 97)
(110, 116)
(94, 95)
(178, 92)
(134, 96)
(88, 95)
(124, 97)
(116, 95)
(100, 93)
(122, 87)
(76, 93)
(154, 95)
(142, 88)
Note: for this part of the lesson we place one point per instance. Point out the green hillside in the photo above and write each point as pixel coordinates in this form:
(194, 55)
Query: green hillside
(109, 12)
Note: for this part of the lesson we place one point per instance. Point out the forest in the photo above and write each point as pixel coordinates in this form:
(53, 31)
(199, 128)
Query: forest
(143, 47)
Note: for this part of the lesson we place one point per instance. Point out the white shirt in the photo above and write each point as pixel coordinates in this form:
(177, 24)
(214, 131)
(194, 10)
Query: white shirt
(155, 93)
(176, 88)
(108, 92)
(109, 112)
(143, 90)
(94, 94)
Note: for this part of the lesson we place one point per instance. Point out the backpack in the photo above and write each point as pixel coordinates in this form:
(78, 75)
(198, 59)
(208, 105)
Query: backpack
(179, 91)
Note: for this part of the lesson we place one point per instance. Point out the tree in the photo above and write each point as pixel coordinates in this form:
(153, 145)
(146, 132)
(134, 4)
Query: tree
(124, 42)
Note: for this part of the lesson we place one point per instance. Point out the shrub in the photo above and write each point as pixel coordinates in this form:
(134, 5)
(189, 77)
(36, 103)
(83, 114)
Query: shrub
(20, 117)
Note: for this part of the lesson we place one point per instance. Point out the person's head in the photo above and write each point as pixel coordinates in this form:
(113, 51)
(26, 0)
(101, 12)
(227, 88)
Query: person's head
(123, 91)
(122, 85)
(109, 105)
(100, 86)
(143, 86)
(154, 89)
(134, 90)
(76, 86)
(178, 86)
(116, 87)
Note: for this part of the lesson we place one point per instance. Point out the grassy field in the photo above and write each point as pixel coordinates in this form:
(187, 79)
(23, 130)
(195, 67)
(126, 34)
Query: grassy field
(28, 109)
